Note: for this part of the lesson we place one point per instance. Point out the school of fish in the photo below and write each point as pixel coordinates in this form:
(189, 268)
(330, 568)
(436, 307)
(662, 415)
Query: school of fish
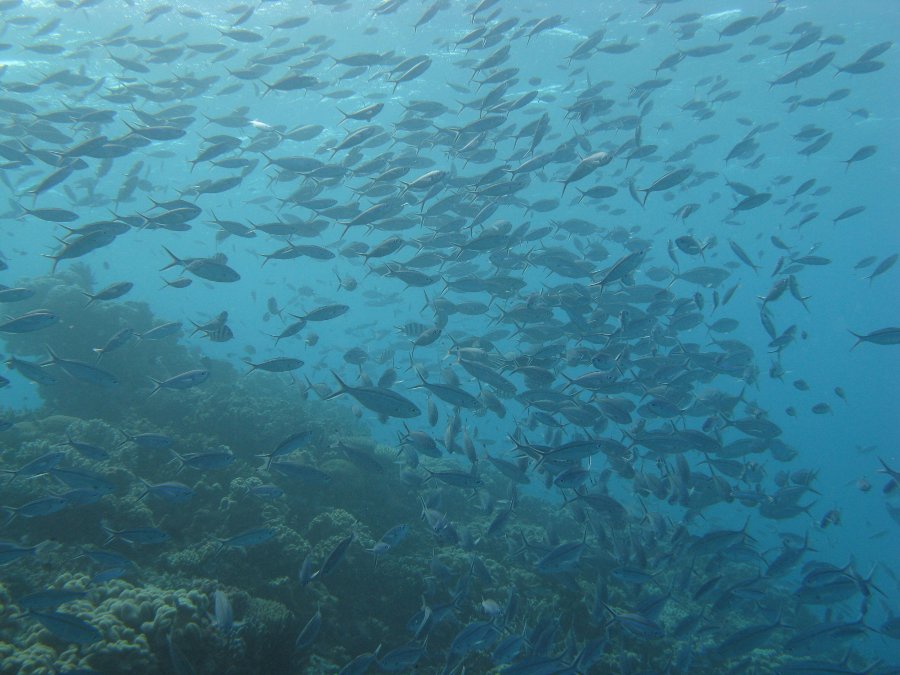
(442, 328)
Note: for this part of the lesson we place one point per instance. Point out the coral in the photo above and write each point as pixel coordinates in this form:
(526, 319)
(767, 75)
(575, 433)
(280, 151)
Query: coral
(134, 622)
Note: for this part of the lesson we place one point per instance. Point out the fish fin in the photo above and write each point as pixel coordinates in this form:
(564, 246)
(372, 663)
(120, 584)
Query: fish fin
(175, 260)
(342, 387)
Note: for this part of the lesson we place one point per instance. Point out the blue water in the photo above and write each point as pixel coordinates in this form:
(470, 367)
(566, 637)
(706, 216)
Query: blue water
(842, 446)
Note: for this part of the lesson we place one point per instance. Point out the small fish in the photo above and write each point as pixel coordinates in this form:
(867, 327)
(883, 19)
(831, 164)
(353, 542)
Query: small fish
(44, 506)
(223, 613)
(32, 371)
(282, 364)
(49, 599)
(307, 571)
(36, 467)
(298, 471)
(185, 380)
(176, 493)
(15, 294)
(148, 441)
(309, 633)
(119, 339)
(247, 539)
(379, 400)
(288, 445)
(205, 461)
(336, 555)
(324, 313)
(67, 627)
(883, 266)
(30, 322)
(111, 292)
(666, 182)
(138, 536)
(211, 269)
(10, 552)
(587, 166)
(882, 336)
(82, 371)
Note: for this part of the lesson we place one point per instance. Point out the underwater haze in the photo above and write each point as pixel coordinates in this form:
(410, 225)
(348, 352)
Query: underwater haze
(508, 336)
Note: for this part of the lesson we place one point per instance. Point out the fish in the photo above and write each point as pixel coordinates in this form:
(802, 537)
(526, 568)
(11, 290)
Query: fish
(204, 461)
(32, 371)
(49, 599)
(42, 506)
(211, 269)
(88, 450)
(174, 492)
(83, 371)
(637, 624)
(382, 401)
(362, 457)
(138, 536)
(15, 294)
(300, 472)
(402, 658)
(309, 633)
(390, 540)
(67, 627)
(247, 539)
(289, 445)
(882, 336)
(28, 323)
(111, 292)
(119, 339)
(586, 167)
(461, 479)
(666, 182)
(883, 266)
(452, 395)
(325, 313)
(334, 557)
(622, 268)
(185, 380)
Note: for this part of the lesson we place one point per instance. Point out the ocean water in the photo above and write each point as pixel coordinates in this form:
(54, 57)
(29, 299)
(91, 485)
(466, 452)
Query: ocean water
(716, 497)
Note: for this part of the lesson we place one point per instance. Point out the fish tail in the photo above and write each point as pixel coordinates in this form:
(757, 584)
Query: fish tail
(55, 260)
(54, 357)
(109, 531)
(888, 470)
(175, 259)
(268, 457)
(12, 514)
(156, 388)
(126, 439)
(342, 387)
